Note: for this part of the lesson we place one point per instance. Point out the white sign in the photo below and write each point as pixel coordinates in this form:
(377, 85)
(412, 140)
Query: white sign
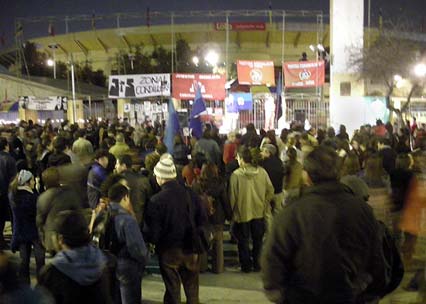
(52, 103)
(139, 86)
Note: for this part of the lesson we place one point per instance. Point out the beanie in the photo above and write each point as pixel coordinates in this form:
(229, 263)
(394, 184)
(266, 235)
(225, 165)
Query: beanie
(165, 168)
(73, 227)
(23, 177)
(270, 148)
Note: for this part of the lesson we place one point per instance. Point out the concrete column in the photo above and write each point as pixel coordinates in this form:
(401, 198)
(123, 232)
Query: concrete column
(346, 90)
(79, 111)
(120, 108)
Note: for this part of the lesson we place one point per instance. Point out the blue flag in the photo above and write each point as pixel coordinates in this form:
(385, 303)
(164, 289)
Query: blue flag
(279, 92)
(172, 128)
(197, 108)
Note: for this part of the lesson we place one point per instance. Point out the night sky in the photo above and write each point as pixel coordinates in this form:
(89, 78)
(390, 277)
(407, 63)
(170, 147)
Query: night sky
(9, 9)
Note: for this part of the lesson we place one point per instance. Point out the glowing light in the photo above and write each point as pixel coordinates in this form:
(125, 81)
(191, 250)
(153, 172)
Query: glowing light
(420, 70)
(50, 62)
(212, 58)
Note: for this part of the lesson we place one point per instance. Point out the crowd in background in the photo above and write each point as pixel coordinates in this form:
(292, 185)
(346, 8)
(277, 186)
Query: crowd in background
(244, 179)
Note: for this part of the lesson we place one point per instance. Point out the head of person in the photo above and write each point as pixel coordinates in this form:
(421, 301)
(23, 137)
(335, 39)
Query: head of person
(342, 129)
(291, 154)
(231, 137)
(79, 134)
(50, 177)
(59, 144)
(165, 169)
(268, 150)
(123, 163)
(248, 156)
(321, 166)
(4, 145)
(250, 128)
(374, 170)
(26, 178)
(209, 171)
(101, 157)
(177, 140)
(119, 138)
(119, 193)
(161, 148)
(351, 164)
(72, 230)
(207, 134)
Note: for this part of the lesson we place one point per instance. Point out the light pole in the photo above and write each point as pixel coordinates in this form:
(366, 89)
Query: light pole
(53, 47)
(73, 92)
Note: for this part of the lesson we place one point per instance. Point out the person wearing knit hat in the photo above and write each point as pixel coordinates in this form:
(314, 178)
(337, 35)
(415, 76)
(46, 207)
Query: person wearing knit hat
(165, 168)
(168, 224)
(269, 148)
(77, 273)
(23, 177)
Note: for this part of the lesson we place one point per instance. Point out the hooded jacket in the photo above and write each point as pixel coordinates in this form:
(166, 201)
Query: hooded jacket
(77, 275)
(96, 177)
(251, 191)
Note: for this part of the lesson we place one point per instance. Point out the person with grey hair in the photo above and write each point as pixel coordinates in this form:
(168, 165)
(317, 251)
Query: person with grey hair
(325, 246)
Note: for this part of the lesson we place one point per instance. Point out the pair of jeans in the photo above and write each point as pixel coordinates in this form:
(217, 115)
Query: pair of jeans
(242, 232)
(25, 255)
(129, 276)
(177, 267)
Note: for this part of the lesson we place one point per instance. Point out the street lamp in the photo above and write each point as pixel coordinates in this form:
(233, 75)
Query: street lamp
(212, 58)
(420, 70)
(53, 47)
(195, 60)
(50, 62)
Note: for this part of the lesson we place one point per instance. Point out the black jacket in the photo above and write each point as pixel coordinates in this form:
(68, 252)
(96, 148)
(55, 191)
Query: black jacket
(388, 156)
(58, 159)
(275, 169)
(323, 248)
(7, 171)
(167, 217)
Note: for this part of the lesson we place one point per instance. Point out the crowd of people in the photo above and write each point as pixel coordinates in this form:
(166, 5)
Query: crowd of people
(100, 199)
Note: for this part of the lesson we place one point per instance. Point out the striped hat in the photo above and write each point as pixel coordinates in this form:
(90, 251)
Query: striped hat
(165, 168)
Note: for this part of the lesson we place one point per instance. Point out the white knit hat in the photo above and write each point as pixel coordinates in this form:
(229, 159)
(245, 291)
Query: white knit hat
(165, 168)
(23, 177)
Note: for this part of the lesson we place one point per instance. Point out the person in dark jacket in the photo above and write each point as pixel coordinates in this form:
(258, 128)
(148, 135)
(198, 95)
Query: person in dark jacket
(50, 203)
(213, 188)
(132, 252)
(387, 154)
(7, 173)
(140, 188)
(77, 274)
(324, 247)
(250, 139)
(96, 177)
(25, 235)
(169, 228)
(275, 169)
(58, 157)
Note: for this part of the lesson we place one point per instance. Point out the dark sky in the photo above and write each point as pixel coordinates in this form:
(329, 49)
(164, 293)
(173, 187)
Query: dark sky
(9, 9)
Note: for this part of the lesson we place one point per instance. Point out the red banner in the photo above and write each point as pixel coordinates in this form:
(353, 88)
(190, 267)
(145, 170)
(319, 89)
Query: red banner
(240, 26)
(304, 74)
(255, 72)
(212, 86)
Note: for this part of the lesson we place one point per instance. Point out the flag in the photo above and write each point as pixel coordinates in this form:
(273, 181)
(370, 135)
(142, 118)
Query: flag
(172, 127)
(93, 22)
(197, 109)
(19, 31)
(51, 29)
(279, 92)
(148, 17)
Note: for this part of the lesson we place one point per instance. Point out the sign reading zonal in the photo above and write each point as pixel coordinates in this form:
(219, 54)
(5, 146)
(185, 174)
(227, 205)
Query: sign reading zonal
(255, 72)
(212, 86)
(304, 74)
(139, 86)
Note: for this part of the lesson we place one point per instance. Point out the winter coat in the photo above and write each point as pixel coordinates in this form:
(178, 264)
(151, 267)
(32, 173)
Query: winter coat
(24, 209)
(322, 248)
(119, 149)
(210, 149)
(167, 218)
(77, 275)
(229, 152)
(96, 177)
(275, 169)
(388, 156)
(49, 204)
(251, 191)
(216, 188)
(7, 171)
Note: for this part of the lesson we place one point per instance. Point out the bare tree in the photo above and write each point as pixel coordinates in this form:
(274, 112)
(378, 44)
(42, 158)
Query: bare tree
(392, 53)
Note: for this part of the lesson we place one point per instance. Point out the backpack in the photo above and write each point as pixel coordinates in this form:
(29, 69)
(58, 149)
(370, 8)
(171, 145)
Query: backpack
(103, 232)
